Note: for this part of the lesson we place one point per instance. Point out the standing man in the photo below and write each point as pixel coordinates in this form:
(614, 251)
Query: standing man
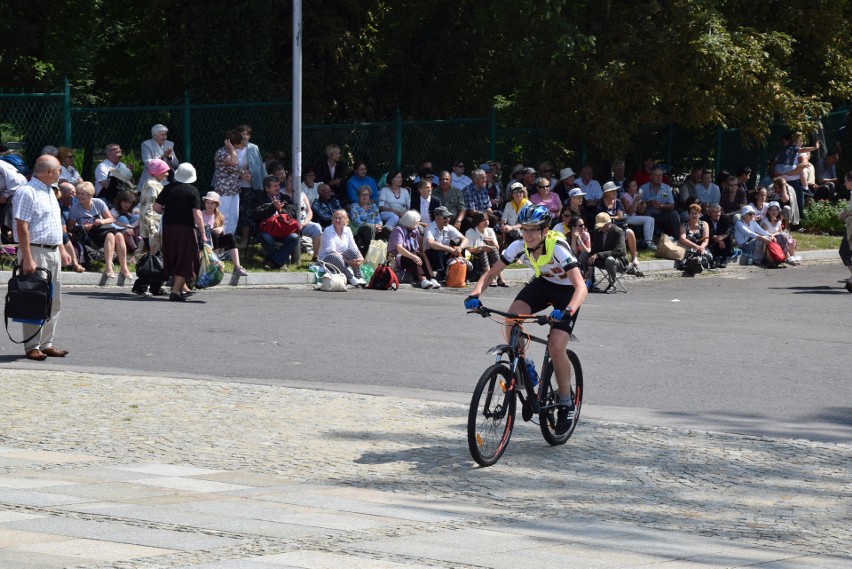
(38, 231)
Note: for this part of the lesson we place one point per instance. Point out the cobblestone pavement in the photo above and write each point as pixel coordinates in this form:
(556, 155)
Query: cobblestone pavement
(133, 472)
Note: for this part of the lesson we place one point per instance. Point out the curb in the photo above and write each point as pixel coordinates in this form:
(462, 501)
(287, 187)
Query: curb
(307, 278)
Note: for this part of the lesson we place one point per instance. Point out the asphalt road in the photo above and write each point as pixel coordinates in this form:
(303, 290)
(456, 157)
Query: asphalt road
(747, 351)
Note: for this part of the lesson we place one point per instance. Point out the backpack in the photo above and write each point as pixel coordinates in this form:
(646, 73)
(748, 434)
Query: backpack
(19, 164)
(279, 226)
(456, 273)
(775, 253)
(384, 278)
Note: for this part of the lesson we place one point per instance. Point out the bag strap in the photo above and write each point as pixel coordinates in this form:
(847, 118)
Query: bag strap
(329, 268)
(25, 340)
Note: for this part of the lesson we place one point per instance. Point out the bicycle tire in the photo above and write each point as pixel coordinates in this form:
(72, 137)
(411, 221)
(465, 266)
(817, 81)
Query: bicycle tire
(549, 400)
(491, 416)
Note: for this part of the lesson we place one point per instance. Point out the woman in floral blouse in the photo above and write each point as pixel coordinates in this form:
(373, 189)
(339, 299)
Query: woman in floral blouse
(366, 221)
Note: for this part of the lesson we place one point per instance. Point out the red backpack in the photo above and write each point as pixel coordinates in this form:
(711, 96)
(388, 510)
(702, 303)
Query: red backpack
(384, 278)
(775, 253)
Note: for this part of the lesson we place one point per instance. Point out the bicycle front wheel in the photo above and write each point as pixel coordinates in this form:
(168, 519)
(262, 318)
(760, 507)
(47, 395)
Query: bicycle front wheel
(491, 416)
(549, 400)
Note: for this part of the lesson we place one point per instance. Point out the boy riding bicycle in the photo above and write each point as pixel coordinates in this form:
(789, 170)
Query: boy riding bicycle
(558, 282)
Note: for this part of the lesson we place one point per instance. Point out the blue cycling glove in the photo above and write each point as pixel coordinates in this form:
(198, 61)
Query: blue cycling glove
(472, 303)
(557, 315)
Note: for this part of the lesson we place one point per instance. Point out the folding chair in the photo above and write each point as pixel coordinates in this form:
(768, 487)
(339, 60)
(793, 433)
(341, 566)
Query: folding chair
(601, 276)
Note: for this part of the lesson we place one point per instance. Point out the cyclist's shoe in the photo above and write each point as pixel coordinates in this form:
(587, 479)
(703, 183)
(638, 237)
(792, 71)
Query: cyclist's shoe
(564, 419)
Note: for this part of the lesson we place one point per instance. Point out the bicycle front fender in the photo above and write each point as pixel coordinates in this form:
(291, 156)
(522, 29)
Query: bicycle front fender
(499, 350)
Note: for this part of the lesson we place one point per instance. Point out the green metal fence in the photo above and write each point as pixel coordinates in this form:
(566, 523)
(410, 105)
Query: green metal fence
(198, 130)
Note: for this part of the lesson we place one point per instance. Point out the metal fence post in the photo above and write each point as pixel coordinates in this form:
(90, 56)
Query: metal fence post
(669, 147)
(398, 139)
(718, 160)
(67, 112)
(492, 144)
(187, 131)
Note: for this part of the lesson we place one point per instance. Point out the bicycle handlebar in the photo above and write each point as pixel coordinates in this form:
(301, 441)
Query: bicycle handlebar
(485, 312)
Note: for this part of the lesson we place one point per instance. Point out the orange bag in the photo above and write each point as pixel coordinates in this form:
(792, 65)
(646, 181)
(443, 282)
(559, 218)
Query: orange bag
(456, 273)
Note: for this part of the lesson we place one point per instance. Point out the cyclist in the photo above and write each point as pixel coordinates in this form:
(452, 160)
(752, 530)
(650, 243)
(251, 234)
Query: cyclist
(558, 282)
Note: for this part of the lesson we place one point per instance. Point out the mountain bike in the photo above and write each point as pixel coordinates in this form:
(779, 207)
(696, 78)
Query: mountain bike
(492, 407)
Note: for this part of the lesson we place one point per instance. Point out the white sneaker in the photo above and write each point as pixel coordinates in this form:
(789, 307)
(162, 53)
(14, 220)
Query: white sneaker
(352, 281)
(361, 282)
(435, 283)
(425, 283)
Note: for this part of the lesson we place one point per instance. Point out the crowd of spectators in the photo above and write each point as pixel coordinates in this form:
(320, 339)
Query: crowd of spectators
(430, 216)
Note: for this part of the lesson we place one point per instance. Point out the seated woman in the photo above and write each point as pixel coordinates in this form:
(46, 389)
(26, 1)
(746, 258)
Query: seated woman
(126, 216)
(92, 216)
(545, 197)
(780, 191)
(214, 222)
(482, 244)
(394, 200)
(360, 178)
(634, 207)
(773, 224)
(750, 237)
(611, 205)
(338, 248)
(366, 220)
(404, 244)
(733, 198)
(510, 228)
(579, 239)
(695, 238)
(759, 204)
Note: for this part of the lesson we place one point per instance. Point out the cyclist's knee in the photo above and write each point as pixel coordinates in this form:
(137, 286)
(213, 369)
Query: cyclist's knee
(557, 341)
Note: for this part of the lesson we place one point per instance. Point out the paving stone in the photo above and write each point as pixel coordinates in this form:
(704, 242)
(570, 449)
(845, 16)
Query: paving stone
(219, 475)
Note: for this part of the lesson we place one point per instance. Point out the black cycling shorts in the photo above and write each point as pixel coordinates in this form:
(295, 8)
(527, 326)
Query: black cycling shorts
(540, 293)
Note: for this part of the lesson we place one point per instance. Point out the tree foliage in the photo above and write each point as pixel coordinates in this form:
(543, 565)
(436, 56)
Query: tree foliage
(603, 70)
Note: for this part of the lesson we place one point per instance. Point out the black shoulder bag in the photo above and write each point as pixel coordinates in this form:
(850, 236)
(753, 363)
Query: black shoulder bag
(29, 299)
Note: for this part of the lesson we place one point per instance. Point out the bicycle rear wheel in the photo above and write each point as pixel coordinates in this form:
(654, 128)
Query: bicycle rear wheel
(491, 416)
(548, 393)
